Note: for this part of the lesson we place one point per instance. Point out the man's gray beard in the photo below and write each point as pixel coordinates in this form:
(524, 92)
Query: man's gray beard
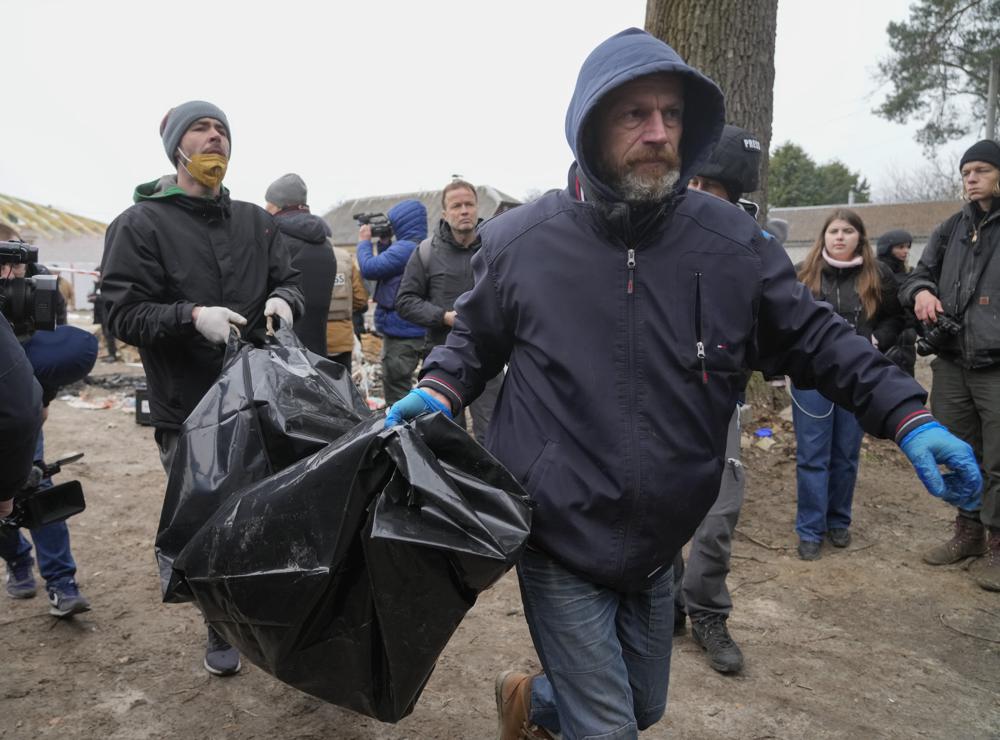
(634, 189)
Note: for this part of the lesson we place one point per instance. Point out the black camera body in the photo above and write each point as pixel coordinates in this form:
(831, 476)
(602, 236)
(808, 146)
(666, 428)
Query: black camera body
(936, 335)
(35, 506)
(381, 228)
(28, 303)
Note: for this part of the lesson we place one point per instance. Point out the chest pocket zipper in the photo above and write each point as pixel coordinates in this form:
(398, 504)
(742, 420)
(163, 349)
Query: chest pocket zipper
(699, 344)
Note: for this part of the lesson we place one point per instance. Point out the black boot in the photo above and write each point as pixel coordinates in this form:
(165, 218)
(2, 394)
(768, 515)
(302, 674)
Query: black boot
(711, 633)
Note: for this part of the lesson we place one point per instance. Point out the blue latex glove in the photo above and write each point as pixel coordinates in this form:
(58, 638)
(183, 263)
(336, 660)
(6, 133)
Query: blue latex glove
(932, 444)
(415, 403)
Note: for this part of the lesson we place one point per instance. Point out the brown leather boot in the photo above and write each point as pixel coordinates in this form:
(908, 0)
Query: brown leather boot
(987, 571)
(969, 541)
(513, 690)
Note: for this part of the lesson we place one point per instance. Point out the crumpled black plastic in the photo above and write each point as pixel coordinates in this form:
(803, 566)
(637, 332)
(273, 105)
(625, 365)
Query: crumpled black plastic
(270, 407)
(340, 567)
(345, 574)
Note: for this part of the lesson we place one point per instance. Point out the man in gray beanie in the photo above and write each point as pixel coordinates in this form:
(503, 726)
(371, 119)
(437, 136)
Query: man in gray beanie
(312, 255)
(184, 267)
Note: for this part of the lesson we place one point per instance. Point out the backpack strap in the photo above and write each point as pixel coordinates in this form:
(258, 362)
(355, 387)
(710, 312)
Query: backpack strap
(425, 253)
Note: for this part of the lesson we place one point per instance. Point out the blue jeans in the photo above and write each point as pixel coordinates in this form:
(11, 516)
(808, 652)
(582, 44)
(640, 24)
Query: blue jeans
(606, 655)
(55, 561)
(828, 443)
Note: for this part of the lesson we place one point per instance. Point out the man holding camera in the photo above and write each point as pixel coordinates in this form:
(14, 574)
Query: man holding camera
(183, 268)
(437, 274)
(20, 419)
(402, 341)
(57, 355)
(955, 291)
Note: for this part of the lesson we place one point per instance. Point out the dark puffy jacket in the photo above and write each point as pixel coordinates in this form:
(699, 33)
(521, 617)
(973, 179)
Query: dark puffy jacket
(20, 413)
(312, 255)
(959, 265)
(409, 224)
(839, 288)
(426, 294)
(171, 252)
(627, 335)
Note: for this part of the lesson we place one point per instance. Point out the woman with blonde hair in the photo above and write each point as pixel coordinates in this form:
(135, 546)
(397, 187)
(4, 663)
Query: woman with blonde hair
(842, 270)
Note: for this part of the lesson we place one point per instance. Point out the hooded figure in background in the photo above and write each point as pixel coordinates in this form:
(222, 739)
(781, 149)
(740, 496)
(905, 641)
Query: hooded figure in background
(402, 340)
(892, 249)
(627, 308)
(305, 235)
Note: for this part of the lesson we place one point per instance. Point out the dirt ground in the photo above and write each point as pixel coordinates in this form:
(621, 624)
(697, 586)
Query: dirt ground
(867, 642)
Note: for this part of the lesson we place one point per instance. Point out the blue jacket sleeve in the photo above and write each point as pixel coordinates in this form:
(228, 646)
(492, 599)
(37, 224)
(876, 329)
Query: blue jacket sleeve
(803, 338)
(389, 263)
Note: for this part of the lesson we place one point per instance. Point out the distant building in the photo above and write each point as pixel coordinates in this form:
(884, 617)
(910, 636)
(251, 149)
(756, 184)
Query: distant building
(345, 228)
(63, 239)
(919, 218)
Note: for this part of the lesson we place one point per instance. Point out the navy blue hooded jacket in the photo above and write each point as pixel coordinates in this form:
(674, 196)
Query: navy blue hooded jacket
(627, 334)
(409, 224)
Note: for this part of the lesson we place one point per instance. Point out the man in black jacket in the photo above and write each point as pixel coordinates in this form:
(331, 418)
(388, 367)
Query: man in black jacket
(700, 588)
(20, 416)
(438, 272)
(627, 308)
(312, 255)
(958, 278)
(184, 267)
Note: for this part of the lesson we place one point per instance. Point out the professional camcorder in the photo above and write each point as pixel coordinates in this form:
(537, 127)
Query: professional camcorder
(28, 303)
(381, 227)
(937, 335)
(35, 507)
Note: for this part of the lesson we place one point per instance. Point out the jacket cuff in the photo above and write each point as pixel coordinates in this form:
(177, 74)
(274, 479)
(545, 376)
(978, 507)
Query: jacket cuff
(184, 321)
(445, 387)
(905, 419)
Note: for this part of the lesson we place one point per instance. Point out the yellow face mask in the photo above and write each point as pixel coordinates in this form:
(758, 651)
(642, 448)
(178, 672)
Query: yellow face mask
(208, 169)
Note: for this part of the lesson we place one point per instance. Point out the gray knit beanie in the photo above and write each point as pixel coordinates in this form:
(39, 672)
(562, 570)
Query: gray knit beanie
(287, 190)
(179, 119)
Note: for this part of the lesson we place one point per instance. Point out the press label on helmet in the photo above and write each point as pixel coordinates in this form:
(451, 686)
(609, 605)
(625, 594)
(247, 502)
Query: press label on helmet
(751, 145)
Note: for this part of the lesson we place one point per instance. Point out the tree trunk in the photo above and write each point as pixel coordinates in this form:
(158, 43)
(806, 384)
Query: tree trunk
(731, 41)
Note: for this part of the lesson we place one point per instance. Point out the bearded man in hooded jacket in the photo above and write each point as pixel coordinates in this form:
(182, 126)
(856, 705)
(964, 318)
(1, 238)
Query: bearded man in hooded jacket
(627, 309)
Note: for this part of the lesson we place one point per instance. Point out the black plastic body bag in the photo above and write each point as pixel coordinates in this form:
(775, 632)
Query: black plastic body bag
(346, 572)
(270, 407)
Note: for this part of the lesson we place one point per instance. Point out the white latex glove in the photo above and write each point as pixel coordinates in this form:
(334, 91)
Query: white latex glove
(279, 307)
(215, 322)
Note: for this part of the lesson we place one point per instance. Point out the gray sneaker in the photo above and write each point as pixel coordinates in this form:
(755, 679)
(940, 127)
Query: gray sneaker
(20, 580)
(221, 658)
(65, 600)
(710, 632)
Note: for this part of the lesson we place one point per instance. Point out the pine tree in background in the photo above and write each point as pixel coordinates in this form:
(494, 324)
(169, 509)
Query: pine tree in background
(939, 71)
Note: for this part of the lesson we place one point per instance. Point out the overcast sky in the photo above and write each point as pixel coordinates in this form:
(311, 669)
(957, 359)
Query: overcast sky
(376, 97)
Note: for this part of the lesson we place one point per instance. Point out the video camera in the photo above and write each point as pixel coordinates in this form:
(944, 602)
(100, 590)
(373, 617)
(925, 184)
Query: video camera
(28, 303)
(35, 507)
(381, 227)
(937, 334)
